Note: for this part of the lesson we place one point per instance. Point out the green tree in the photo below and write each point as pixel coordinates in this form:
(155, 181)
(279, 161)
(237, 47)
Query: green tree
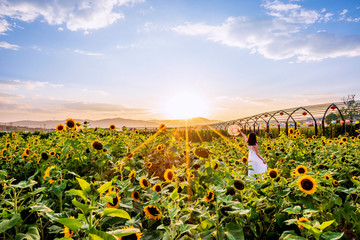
(352, 107)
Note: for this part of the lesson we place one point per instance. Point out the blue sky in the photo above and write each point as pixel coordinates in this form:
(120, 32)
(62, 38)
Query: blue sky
(129, 58)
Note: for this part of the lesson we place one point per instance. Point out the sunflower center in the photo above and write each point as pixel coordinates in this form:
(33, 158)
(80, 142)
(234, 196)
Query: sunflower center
(307, 184)
(145, 183)
(301, 170)
(170, 175)
(115, 201)
(210, 195)
(153, 211)
(70, 124)
(239, 185)
(136, 195)
(130, 237)
(273, 174)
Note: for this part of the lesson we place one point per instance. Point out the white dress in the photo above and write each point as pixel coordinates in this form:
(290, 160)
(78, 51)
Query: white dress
(255, 162)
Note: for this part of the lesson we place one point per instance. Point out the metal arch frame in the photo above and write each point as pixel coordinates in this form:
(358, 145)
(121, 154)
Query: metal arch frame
(327, 109)
(280, 111)
(295, 123)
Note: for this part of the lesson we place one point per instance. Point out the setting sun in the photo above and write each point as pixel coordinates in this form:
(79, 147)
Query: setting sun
(186, 105)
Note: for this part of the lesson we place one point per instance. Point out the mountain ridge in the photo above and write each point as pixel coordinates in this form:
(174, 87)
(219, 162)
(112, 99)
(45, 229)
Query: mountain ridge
(105, 123)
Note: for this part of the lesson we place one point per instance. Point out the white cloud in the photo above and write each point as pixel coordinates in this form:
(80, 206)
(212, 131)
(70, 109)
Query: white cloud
(36, 48)
(9, 46)
(279, 36)
(95, 92)
(125, 46)
(87, 53)
(4, 26)
(75, 14)
(292, 13)
(102, 107)
(29, 85)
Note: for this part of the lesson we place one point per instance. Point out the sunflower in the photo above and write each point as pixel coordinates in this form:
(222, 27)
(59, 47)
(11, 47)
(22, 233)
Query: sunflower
(67, 232)
(13, 135)
(244, 159)
(136, 131)
(328, 176)
(144, 183)
(301, 170)
(169, 175)
(60, 128)
(239, 185)
(201, 152)
(216, 167)
(133, 236)
(130, 155)
(135, 196)
(3, 152)
(314, 137)
(330, 141)
(355, 178)
(44, 156)
(336, 183)
(210, 196)
(115, 198)
(70, 123)
(8, 144)
(291, 131)
(344, 139)
(132, 174)
(162, 128)
(149, 164)
(47, 174)
(27, 152)
(112, 127)
(268, 148)
(294, 137)
(152, 212)
(302, 219)
(307, 184)
(157, 188)
(160, 147)
(97, 145)
(52, 153)
(273, 173)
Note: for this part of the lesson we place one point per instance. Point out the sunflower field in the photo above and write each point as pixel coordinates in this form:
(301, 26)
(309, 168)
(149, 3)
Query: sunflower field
(82, 183)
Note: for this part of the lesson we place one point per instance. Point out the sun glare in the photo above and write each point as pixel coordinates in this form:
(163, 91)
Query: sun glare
(186, 105)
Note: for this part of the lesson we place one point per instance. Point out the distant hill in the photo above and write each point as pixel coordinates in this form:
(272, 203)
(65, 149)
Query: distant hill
(182, 122)
(105, 123)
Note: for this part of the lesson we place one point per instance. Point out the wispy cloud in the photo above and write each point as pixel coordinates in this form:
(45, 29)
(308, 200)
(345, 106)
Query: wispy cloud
(9, 46)
(102, 107)
(74, 14)
(4, 26)
(95, 91)
(29, 85)
(292, 13)
(234, 99)
(132, 45)
(87, 53)
(10, 95)
(279, 36)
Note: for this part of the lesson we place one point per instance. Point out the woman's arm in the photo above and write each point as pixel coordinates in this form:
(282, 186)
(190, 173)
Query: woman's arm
(243, 135)
(257, 153)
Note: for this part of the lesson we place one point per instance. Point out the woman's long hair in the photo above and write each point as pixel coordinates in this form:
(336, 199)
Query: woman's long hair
(252, 139)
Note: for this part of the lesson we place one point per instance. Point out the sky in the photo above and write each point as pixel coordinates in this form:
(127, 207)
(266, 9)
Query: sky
(157, 59)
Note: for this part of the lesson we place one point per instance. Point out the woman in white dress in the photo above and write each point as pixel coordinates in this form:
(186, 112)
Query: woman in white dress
(257, 163)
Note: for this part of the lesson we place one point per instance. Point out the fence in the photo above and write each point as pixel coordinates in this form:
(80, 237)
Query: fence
(317, 116)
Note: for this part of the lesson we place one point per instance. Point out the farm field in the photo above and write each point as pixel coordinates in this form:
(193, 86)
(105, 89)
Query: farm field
(81, 183)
